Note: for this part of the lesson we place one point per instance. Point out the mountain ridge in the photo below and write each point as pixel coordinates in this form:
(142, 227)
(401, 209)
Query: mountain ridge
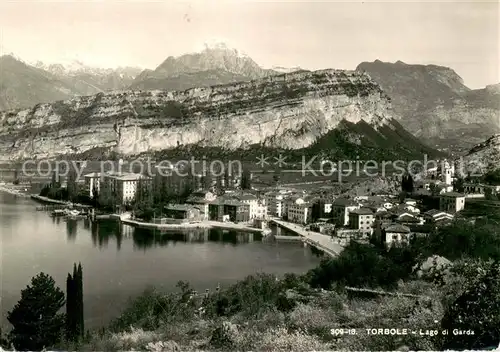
(434, 103)
(287, 111)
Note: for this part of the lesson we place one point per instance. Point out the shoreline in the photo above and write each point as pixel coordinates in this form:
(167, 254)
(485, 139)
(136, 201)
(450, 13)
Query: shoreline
(9, 189)
(205, 224)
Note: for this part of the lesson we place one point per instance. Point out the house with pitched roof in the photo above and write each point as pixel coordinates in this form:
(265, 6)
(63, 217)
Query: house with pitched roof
(201, 199)
(396, 234)
(436, 216)
(228, 208)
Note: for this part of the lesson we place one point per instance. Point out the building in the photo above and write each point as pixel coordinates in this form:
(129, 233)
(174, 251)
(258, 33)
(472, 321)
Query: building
(435, 216)
(480, 190)
(258, 209)
(170, 182)
(410, 202)
(451, 202)
(275, 202)
(341, 208)
(122, 188)
(397, 234)
(201, 199)
(299, 210)
(408, 219)
(183, 212)
(228, 209)
(362, 219)
(322, 208)
(344, 236)
(92, 183)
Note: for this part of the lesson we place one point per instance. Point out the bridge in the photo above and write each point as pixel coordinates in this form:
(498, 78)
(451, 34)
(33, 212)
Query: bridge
(320, 241)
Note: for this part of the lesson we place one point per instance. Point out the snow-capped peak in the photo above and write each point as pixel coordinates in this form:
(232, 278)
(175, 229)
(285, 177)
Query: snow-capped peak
(66, 66)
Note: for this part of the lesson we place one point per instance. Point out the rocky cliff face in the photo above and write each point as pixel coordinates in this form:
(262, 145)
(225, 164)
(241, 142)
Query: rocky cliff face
(290, 111)
(435, 105)
(484, 157)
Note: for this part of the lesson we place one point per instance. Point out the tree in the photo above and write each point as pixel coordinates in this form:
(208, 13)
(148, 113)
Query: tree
(246, 182)
(95, 197)
(407, 184)
(74, 306)
(4, 342)
(476, 310)
(36, 320)
(458, 185)
(434, 189)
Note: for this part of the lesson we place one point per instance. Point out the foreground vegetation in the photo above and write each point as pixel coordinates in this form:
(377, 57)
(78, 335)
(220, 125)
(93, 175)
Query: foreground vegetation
(298, 313)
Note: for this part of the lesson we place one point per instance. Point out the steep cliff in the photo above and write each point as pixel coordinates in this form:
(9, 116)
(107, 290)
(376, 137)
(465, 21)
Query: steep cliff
(288, 111)
(483, 157)
(435, 105)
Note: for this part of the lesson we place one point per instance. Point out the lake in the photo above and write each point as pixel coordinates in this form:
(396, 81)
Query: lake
(120, 261)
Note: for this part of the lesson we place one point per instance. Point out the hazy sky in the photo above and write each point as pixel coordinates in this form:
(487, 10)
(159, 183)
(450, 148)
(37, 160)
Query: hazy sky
(313, 35)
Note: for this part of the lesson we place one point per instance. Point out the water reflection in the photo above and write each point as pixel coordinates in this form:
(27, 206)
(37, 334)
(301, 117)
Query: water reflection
(71, 229)
(102, 231)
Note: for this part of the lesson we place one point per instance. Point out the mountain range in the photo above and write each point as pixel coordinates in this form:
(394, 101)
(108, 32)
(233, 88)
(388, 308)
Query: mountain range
(433, 103)
(482, 158)
(334, 113)
(429, 101)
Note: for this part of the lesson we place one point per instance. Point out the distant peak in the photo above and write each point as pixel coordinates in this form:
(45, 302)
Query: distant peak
(219, 45)
(12, 56)
(399, 62)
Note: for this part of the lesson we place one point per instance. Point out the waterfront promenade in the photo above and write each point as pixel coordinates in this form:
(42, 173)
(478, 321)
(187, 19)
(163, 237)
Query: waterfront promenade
(320, 241)
(205, 224)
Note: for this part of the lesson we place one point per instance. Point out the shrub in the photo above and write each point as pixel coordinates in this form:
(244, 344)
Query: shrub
(312, 319)
(280, 339)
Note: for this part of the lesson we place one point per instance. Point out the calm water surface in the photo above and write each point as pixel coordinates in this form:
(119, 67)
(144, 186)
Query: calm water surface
(121, 262)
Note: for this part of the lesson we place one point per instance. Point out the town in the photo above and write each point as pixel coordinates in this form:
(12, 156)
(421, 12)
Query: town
(173, 198)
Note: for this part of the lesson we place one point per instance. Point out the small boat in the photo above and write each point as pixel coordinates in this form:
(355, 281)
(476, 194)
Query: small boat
(267, 232)
(73, 213)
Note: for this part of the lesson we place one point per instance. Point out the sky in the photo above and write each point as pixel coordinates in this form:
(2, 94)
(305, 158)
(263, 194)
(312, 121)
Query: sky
(310, 34)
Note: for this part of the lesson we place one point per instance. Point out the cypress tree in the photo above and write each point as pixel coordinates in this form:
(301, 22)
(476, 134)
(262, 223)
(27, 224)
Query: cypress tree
(74, 305)
(81, 326)
(70, 308)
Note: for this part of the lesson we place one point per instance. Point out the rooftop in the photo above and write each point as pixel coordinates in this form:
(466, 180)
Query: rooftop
(125, 176)
(433, 212)
(362, 211)
(180, 207)
(453, 194)
(397, 228)
(343, 202)
(93, 175)
(245, 196)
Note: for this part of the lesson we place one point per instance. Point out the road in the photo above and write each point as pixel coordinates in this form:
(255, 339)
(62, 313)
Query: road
(320, 241)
